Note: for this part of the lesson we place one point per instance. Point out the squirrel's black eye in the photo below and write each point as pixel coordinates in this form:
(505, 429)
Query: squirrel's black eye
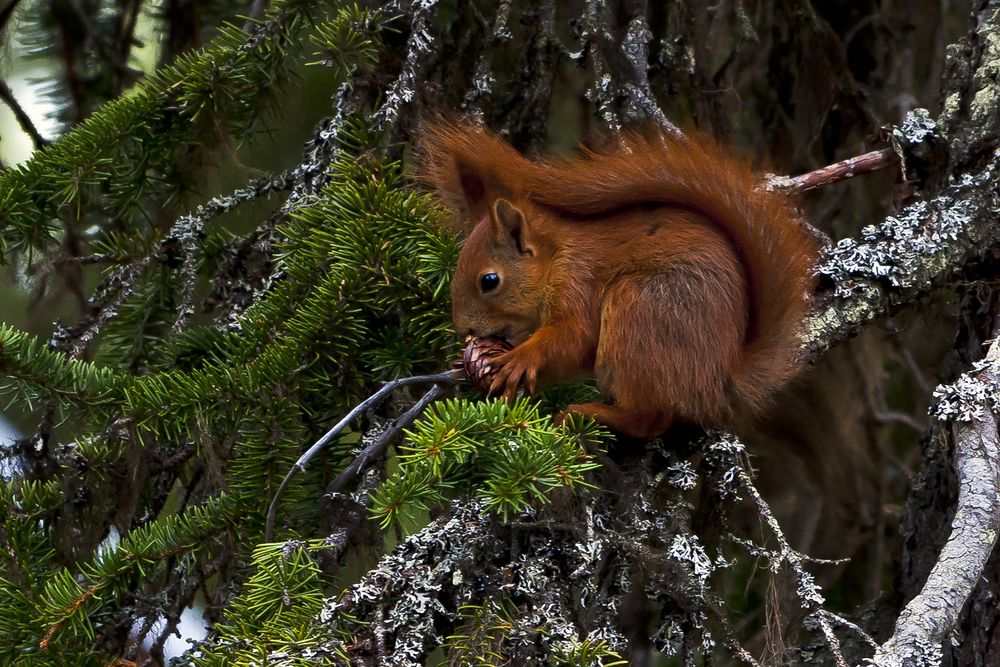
(489, 282)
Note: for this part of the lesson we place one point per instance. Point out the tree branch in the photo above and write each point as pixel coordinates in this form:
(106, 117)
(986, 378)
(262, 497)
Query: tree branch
(418, 50)
(973, 402)
(593, 36)
(376, 448)
(889, 265)
(838, 171)
(22, 117)
(904, 256)
(635, 48)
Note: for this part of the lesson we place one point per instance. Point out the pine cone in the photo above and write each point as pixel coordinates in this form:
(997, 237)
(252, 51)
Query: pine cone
(477, 359)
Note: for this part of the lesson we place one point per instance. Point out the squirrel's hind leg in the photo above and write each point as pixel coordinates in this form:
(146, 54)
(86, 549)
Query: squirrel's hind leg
(637, 425)
(666, 345)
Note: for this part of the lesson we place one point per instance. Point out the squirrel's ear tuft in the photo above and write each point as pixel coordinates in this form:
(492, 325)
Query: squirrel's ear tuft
(473, 184)
(510, 227)
(468, 166)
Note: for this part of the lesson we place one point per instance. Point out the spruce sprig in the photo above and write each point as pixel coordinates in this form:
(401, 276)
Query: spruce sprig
(508, 454)
(272, 621)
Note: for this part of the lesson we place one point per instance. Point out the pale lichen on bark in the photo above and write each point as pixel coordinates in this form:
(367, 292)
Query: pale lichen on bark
(971, 403)
(904, 256)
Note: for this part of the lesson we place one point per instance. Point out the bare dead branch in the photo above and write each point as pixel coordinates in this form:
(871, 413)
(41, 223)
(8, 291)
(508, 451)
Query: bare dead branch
(483, 78)
(806, 590)
(381, 443)
(594, 35)
(21, 115)
(418, 50)
(973, 402)
(376, 448)
(834, 173)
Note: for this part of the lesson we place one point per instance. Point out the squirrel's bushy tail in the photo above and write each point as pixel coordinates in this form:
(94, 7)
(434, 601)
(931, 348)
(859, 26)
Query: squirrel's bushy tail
(696, 174)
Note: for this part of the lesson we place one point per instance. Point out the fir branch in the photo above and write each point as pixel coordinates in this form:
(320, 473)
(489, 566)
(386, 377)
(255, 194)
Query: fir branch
(27, 558)
(461, 539)
(481, 632)
(37, 371)
(510, 455)
(271, 619)
(66, 599)
(114, 290)
(95, 154)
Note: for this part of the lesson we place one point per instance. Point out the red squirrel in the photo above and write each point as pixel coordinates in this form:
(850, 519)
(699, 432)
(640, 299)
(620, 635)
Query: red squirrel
(657, 265)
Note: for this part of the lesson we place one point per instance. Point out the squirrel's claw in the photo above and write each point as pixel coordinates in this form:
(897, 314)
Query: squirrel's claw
(517, 369)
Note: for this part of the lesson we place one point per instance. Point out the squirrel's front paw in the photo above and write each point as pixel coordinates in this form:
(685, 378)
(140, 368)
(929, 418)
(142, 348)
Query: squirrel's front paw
(517, 368)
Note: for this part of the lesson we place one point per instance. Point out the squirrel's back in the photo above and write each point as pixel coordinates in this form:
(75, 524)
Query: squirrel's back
(696, 174)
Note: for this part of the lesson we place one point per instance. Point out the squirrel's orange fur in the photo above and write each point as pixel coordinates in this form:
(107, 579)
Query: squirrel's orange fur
(657, 264)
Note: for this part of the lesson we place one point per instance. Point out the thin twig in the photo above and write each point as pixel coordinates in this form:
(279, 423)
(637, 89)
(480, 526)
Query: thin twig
(838, 171)
(256, 12)
(887, 416)
(83, 260)
(379, 445)
(439, 380)
(22, 117)
(807, 591)
(840, 620)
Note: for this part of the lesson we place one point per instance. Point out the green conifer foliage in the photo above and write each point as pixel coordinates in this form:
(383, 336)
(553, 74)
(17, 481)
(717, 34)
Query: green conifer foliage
(509, 455)
(208, 359)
